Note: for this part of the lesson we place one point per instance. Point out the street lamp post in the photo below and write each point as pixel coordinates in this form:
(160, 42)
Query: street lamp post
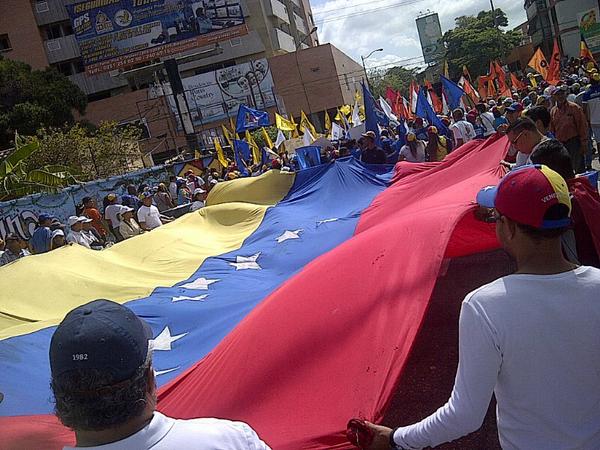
(364, 58)
(300, 69)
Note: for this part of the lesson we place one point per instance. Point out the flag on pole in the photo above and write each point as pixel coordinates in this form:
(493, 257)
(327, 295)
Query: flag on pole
(445, 109)
(305, 123)
(256, 155)
(435, 100)
(425, 110)
(392, 98)
(500, 76)
(554, 66)
(337, 132)
(453, 92)
(241, 153)
(491, 88)
(346, 110)
(466, 73)
(584, 51)
(327, 122)
(469, 90)
(516, 83)
(266, 138)
(355, 118)
(227, 135)
(284, 124)
(374, 114)
(387, 109)
(280, 139)
(482, 87)
(220, 154)
(249, 119)
(446, 71)
(307, 137)
(539, 64)
(413, 94)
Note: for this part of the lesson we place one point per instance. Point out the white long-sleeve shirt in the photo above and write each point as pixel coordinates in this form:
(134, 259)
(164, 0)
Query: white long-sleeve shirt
(533, 340)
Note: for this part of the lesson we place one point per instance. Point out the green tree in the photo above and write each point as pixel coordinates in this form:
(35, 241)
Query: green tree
(33, 99)
(90, 152)
(17, 180)
(475, 41)
(398, 78)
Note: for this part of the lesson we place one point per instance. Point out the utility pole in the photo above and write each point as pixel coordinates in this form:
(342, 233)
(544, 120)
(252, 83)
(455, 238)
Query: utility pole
(493, 13)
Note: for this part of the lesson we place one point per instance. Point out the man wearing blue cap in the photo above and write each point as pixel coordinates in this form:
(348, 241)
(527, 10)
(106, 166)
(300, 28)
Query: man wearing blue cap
(42, 236)
(530, 338)
(104, 387)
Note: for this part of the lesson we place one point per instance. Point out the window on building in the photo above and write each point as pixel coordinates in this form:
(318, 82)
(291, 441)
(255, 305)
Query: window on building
(78, 66)
(53, 31)
(41, 6)
(64, 67)
(5, 43)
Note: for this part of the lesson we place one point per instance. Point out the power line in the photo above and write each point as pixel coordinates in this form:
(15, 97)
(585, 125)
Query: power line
(368, 11)
(317, 13)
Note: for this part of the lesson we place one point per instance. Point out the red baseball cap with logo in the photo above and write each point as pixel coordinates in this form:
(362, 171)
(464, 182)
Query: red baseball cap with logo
(526, 194)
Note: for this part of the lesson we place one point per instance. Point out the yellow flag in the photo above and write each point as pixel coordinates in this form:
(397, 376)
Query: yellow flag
(446, 72)
(232, 126)
(327, 121)
(256, 154)
(295, 133)
(305, 123)
(357, 96)
(346, 110)
(227, 135)
(267, 138)
(220, 154)
(283, 124)
(539, 63)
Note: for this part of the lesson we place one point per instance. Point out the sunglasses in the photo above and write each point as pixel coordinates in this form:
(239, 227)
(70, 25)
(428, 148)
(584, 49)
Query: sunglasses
(514, 141)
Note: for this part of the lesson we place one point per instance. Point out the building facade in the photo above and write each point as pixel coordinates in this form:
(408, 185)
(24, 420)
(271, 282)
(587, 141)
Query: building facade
(306, 76)
(547, 19)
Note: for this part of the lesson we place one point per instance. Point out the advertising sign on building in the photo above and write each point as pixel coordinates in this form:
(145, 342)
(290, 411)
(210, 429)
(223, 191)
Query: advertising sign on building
(217, 95)
(430, 35)
(112, 34)
(589, 25)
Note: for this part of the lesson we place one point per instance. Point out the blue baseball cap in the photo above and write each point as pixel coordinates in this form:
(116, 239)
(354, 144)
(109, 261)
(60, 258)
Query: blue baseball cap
(43, 217)
(101, 335)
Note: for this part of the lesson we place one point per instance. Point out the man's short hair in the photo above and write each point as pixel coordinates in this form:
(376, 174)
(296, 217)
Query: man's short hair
(539, 113)
(89, 399)
(481, 107)
(553, 154)
(555, 212)
(521, 124)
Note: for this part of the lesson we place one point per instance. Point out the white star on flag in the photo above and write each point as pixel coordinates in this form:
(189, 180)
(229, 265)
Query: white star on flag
(246, 262)
(321, 222)
(184, 297)
(289, 235)
(199, 284)
(164, 340)
(162, 372)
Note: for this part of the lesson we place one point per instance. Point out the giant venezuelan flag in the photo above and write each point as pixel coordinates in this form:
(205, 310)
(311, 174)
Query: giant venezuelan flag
(291, 302)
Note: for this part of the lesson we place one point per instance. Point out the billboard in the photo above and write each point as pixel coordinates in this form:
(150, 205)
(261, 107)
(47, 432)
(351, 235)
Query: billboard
(112, 34)
(430, 35)
(217, 95)
(589, 26)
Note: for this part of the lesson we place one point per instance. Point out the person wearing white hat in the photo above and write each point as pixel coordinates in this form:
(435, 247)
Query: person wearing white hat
(76, 235)
(58, 239)
(128, 227)
(198, 199)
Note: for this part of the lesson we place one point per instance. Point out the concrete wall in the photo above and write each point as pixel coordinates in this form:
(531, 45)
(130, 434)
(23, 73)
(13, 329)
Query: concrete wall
(308, 79)
(17, 20)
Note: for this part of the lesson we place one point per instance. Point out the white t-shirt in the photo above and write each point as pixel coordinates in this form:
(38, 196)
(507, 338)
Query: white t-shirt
(198, 204)
(78, 237)
(408, 156)
(150, 216)
(173, 189)
(165, 433)
(463, 130)
(487, 120)
(110, 214)
(533, 341)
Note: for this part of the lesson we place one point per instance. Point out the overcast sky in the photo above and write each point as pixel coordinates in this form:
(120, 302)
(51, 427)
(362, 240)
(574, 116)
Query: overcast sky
(390, 24)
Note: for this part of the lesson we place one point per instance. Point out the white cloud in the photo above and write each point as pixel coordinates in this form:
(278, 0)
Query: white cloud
(393, 28)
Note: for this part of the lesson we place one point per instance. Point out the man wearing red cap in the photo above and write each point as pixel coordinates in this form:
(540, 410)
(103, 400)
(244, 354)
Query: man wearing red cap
(530, 338)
